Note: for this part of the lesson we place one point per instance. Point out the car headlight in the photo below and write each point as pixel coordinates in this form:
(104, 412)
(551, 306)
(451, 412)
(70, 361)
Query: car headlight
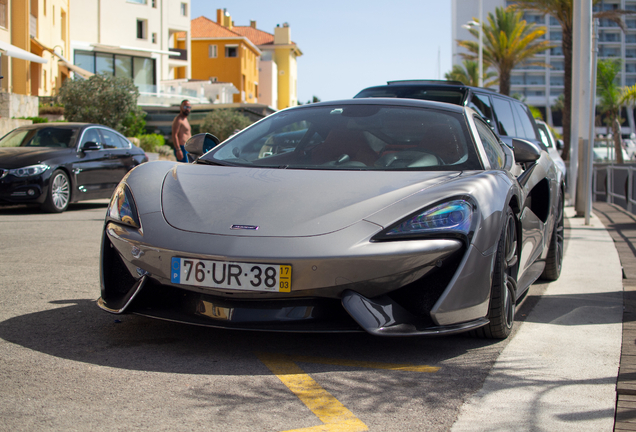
(452, 217)
(29, 171)
(122, 207)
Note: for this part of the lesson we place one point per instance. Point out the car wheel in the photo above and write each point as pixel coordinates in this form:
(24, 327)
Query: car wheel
(554, 261)
(59, 194)
(501, 311)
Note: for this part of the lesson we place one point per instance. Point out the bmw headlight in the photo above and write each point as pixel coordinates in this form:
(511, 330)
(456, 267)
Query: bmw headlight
(29, 171)
(450, 218)
(122, 207)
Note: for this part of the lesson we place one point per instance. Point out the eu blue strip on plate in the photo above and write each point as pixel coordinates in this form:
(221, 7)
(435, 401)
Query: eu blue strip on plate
(175, 274)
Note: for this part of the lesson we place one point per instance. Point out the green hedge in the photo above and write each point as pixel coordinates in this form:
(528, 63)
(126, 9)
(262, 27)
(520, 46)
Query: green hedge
(151, 142)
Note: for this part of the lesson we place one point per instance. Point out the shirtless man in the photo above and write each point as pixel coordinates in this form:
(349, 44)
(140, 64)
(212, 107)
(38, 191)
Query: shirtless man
(181, 131)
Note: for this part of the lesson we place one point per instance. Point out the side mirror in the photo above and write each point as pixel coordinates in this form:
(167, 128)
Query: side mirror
(525, 151)
(201, 143)
(559, 144)
(91, 146)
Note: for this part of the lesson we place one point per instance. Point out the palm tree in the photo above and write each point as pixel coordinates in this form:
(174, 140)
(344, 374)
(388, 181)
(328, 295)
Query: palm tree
(508, 41)
(611, 100)
(469, 74)
(562, 11)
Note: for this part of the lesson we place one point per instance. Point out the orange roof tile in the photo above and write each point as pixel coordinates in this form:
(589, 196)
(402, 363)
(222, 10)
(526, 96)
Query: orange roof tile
(203, 27)
(258, 37)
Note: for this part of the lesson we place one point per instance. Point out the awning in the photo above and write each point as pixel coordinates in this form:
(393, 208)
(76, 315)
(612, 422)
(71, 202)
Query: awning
(15, 52)
(78, 70)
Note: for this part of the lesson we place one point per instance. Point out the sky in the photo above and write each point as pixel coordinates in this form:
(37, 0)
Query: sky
(348, 45)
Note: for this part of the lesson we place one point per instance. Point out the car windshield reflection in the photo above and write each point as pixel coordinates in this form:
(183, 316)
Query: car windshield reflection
(364, 137)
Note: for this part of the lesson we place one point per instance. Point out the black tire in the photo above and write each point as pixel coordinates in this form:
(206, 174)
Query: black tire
(501, 311)
(59, 194)
(554, 261)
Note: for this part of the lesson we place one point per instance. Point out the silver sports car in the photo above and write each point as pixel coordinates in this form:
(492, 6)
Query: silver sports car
(396, 217)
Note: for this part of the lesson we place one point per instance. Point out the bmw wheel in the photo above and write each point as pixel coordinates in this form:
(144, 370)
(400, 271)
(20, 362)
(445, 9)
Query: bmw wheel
(59, 194)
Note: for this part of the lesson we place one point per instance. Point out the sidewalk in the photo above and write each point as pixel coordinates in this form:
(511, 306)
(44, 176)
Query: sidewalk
(558, 372)
(621, 225)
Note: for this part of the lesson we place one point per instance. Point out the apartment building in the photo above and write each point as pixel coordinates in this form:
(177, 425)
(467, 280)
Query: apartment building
(39, 30)
(131, 38)
(261, 65)
(222, 55)
(541, 86)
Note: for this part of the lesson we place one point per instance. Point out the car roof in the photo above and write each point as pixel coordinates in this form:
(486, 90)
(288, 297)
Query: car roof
(455, 85)
(394, 102)
(61, 124)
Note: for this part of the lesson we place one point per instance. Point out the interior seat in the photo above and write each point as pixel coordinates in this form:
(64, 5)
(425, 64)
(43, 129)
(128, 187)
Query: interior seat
(442, 141)
(344, 141)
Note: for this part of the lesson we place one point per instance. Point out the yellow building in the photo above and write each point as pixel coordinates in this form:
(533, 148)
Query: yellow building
(222, 55)
(267, 72)
(39, 27)
(278, 66)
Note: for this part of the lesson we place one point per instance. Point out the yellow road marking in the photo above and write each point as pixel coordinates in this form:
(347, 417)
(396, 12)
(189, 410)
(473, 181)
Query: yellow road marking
(365, 364)
(335, 416)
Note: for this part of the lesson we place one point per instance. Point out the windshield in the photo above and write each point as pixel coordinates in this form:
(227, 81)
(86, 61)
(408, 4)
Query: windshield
(364, 137)
(42, 137)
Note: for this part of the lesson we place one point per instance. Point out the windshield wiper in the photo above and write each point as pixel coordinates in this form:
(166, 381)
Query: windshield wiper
(209, 162)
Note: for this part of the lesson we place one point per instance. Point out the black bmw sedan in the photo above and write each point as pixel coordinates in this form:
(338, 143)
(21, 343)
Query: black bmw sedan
(54, 164)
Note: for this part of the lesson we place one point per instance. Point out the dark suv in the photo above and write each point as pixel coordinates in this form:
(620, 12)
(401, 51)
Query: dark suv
(507, 116)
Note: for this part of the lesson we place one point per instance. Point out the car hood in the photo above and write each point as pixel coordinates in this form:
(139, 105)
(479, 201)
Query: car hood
(282, 202)
(16, 157)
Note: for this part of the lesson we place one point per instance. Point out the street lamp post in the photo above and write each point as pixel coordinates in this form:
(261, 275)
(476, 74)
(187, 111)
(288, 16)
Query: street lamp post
(480, 78)
(469, 25)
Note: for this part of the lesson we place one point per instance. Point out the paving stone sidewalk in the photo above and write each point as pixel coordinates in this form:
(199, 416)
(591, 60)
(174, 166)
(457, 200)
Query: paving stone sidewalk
(621, 226)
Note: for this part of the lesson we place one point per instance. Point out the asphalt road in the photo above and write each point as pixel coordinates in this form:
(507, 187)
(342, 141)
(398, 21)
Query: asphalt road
(67, 365)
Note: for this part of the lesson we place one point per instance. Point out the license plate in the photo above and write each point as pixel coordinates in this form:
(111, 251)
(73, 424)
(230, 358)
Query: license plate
(231, 275)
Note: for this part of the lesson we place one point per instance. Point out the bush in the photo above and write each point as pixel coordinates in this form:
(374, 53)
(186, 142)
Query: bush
(223, 122)
(34, 119)
(54, 110)
(165, 151)
(134, 125)
(151, 142)
(102, 99)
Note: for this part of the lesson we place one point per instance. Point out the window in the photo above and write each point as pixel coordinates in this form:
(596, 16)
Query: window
(494, 152)
(140, 69)
(3, 13)
(557, 80)
(212, 51)
(141, 29)
(43, 7)
(110, 139)
(154, 38)
(525, 128)
(231, 50)
(505, 122)
(154, 4)
(91, 135)
(184, 9)
(104, 64)
(137, 1)
(481, 104)
(63, 25)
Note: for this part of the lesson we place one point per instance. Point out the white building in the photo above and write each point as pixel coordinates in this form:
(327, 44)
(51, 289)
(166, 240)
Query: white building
(131, 38)
(541, 86)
